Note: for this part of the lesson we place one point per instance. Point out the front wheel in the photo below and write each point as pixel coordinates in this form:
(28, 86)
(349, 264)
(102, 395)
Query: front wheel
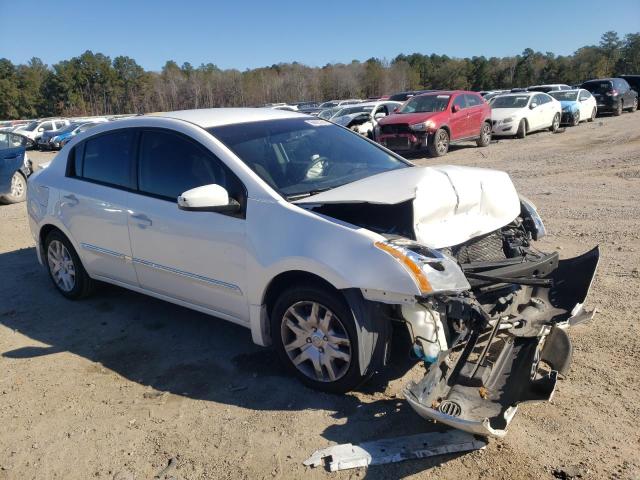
(555, 124)
(522, 129)
(485, 135)
(314, 332)
(439, 144)
(576, 119)
(18, 192)
(593, 115)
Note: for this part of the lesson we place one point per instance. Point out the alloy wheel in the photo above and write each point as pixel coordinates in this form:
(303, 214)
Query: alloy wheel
(316, 341)
(61, 266)
(442, 142)
(17, 185)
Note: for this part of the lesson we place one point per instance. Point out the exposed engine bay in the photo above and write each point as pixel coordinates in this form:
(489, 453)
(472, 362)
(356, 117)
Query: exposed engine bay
(491, 329)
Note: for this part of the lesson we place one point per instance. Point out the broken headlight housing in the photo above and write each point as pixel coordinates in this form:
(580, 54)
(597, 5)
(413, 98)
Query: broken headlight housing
(532, 221)
(423, 126)
(432, 271)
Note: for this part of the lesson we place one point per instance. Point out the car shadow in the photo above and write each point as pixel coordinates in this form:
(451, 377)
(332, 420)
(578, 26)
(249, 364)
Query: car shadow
(183, 352)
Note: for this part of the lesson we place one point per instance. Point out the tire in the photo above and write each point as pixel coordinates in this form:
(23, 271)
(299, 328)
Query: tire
(293, 324)
(593, 115)
(485, 135)
(522, 129)
(618, 110)
(71, 279)
(634, 106)
(555, 124)
(575, 121)
(18, 189)
(439, 144)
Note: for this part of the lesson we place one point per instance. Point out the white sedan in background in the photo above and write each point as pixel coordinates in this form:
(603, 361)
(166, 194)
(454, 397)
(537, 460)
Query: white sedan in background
(363, 117)
(577, 105)
(522, 113)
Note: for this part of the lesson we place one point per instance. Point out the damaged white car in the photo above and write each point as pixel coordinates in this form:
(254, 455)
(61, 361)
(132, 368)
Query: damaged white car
(323, 243)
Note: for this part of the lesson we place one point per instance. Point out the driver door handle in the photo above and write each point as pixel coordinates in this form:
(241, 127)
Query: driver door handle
(142, 220)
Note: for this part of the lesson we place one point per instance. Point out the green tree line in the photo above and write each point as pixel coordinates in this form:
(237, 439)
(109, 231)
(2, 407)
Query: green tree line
(95, 84)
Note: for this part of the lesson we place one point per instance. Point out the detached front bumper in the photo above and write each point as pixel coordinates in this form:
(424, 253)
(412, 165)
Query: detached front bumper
(403, 142)
(517, 359)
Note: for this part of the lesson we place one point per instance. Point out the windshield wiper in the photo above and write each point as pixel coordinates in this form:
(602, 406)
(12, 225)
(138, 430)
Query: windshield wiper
(298, 196)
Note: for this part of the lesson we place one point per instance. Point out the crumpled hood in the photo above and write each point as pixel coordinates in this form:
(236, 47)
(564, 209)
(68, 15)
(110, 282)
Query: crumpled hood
(569, 104)
(451, 204)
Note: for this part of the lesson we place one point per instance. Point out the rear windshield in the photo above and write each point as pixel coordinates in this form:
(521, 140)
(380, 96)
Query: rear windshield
(565, 96)
(540, 89)
(516, 101)
(426, 103)
(598, 87)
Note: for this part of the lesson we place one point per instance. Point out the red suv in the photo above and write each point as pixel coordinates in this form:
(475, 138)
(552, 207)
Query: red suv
(436, 120)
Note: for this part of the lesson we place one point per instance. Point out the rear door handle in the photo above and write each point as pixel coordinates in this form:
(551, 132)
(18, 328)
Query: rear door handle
(142, 220)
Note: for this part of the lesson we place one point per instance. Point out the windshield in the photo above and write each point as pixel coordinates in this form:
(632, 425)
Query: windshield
(30, 127)
(350, 110)
(511, 101)
(69, 128)
(426, 103)
(597, 87)
(300, 157)
(565, 95)
(328, 113)
(328, 104)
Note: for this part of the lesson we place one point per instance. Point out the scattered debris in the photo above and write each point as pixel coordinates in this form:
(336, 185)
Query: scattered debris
(484, 393)
(567, 473)
(391, 450)
(167, 472)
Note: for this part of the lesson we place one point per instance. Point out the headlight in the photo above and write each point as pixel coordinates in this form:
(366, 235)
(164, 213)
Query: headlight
(532, 220)
(507, 120)
(423, 127)
(432, 271)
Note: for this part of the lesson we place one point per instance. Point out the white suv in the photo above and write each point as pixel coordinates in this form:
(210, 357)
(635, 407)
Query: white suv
(35, 129)
(324, 244)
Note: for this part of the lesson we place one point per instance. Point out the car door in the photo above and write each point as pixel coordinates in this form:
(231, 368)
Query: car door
(189, 256)
(11, 159)
(586, 104)
(458, 120)
(475, 114)
(93, 204)
(541, 112)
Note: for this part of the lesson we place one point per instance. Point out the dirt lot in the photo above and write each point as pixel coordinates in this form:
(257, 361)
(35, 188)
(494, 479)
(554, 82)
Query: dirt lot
(115, 386)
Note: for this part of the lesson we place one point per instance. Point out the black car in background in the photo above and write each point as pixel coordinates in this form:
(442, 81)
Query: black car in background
(403, 96)
(633, 81)
(612, 95)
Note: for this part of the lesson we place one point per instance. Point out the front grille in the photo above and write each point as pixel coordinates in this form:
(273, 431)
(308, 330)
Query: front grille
(483, 249)
(395, 129)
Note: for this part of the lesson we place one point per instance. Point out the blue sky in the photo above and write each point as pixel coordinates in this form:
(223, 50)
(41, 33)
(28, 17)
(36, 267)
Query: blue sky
(248, 34)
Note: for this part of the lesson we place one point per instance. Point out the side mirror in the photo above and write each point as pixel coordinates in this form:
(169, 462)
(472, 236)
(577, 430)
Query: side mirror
(208, 198)
(455, 109)
(533, 105)
(380, 115)
(395, 110)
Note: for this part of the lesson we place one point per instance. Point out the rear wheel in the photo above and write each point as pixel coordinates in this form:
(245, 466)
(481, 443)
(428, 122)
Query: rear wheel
(522, 129)
(65, 268)
(314, 332)
(618, 110)
(634, 106)
(18, 191)
(439, 145)
(555, 124)
(485, 135)
(593, 115)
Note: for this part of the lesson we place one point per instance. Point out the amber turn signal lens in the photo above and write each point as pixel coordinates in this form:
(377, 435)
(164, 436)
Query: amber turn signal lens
(416, 272)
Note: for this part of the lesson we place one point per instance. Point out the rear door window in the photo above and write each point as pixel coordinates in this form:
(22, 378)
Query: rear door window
(108, 158)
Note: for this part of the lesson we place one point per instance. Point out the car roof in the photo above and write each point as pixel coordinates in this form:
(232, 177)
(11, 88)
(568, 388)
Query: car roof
(444, 92)
(520, 94)
(215, 117)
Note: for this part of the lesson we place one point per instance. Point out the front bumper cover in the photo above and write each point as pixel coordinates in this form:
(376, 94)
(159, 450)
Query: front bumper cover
(480, 395)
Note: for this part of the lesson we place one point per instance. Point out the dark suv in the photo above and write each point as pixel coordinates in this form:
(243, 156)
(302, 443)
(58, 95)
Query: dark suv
(612, 95)
(633, 81)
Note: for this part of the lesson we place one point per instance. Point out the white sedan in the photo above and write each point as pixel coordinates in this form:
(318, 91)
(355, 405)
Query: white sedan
(323, 244)
(524, 112)
(577, 105)
(363, 117)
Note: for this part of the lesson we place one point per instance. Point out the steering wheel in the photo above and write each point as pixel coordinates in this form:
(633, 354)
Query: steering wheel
(319, 167)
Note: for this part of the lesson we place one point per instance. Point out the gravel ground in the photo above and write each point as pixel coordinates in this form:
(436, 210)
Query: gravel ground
(117, 385)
